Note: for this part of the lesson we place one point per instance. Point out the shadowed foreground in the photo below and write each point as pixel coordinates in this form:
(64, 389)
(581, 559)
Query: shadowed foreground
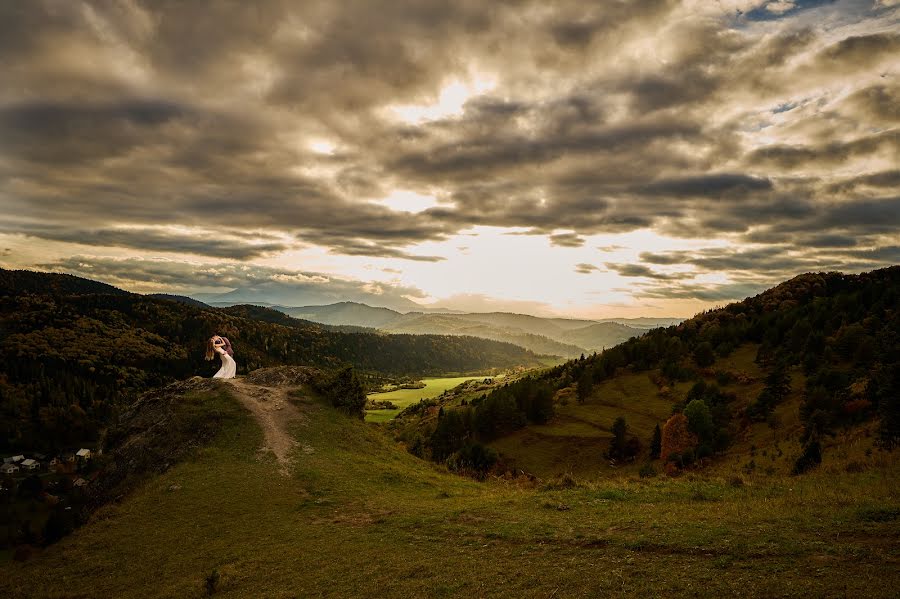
(358, 516)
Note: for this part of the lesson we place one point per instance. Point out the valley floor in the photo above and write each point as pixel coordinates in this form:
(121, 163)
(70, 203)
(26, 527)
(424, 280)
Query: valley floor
(353, 514)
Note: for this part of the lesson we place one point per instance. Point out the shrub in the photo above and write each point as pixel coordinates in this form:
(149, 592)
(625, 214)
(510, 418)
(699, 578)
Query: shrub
(212, 582)
(647, 471)
(473, 456)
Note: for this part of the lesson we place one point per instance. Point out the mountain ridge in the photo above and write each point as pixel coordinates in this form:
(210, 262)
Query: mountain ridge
(566, 337)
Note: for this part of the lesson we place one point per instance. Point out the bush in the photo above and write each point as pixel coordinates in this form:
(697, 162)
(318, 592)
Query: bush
(473, 456)
(647, 471)
(212, 582)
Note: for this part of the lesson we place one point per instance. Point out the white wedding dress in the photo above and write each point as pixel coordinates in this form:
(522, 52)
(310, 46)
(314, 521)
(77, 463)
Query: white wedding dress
(229, 366)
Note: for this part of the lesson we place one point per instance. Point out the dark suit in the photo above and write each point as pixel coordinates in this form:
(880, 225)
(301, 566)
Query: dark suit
(227, 346)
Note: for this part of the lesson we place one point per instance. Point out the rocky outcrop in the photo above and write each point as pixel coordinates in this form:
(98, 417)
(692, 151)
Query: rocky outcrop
(159, 429)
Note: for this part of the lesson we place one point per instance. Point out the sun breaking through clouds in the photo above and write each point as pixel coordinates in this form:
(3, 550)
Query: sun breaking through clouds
(642, 157)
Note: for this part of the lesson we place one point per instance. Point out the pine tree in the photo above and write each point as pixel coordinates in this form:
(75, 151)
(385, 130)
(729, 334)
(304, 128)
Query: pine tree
(585, 385)
(656, 443)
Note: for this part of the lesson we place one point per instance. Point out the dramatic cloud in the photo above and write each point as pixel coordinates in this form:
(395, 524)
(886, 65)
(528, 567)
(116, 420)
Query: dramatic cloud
(764, 134)
(237, 283)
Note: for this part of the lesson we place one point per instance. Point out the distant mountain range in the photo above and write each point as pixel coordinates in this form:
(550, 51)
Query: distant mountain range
(565, 337)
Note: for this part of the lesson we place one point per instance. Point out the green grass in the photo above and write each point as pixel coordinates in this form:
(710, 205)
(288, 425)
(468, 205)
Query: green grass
(405, 397)
(359, 516)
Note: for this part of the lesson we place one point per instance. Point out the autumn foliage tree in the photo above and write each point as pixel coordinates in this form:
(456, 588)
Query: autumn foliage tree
(677, 438)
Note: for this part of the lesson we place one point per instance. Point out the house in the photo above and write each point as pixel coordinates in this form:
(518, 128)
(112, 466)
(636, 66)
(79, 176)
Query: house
(9, 468)
(14, 459)
(83, 454)
(56, 461)
(40, 457)
(80, 482)
(68, 458)
(30, 464)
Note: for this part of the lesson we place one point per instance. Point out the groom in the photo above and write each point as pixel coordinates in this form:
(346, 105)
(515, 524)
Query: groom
(227, 346)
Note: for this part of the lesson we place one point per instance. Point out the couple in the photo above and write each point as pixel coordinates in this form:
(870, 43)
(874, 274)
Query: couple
(222, 346)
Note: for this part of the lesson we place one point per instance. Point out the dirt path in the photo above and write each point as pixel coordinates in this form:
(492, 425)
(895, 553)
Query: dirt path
(274, 413)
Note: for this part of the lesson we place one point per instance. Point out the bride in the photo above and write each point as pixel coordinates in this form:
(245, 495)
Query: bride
(214, 346)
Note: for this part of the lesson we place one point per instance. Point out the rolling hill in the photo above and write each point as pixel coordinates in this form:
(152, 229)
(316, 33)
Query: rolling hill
(554, 336)
(807, 372)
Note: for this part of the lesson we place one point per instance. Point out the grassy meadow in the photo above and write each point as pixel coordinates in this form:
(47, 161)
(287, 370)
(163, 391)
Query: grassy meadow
(405, 397)
(359, 516)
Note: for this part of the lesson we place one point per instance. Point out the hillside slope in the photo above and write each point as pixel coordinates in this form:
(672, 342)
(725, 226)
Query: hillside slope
(359, 516)
(69, 355)
(778, 382)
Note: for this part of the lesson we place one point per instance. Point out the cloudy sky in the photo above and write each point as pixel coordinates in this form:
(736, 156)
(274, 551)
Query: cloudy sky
(642, 157)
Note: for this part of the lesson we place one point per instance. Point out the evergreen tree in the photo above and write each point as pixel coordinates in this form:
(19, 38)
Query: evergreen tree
(585, 385)
(656, 443)
(618, 443)
(699, 419)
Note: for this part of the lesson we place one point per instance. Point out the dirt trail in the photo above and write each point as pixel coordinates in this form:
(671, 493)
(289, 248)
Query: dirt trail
(275, 414)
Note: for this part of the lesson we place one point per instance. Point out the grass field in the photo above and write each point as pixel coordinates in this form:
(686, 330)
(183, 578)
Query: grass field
(405, 397)
(359, 516)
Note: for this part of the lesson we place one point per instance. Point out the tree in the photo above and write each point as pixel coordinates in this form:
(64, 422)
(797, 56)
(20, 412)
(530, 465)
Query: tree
(676, 437)
(346, 392)
(700, 421)
(451, 432)
(810, 458)
(703, 354)
(656, 443)
(585, 385)
(778, 385)
(619, 439)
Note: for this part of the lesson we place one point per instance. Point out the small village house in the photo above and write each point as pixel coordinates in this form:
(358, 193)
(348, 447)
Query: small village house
(79, 482)
(83, 454)
(30, 464)
(9, 468)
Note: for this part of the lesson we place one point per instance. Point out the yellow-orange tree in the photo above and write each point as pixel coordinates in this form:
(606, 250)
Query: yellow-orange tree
(676, 437)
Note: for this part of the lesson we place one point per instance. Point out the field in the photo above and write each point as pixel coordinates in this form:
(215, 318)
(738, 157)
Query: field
(405, 397)
(359, 516)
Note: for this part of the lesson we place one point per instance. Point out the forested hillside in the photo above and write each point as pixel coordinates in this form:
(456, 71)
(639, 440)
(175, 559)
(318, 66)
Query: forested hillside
(71, 350)
(833, 337)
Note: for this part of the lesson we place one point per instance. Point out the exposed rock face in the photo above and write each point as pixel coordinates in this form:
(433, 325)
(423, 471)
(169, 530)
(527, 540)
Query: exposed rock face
(151, 436)
(282, 376)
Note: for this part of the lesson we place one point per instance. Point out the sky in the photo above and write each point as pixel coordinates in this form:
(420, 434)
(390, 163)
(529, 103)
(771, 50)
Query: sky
(609, 159)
